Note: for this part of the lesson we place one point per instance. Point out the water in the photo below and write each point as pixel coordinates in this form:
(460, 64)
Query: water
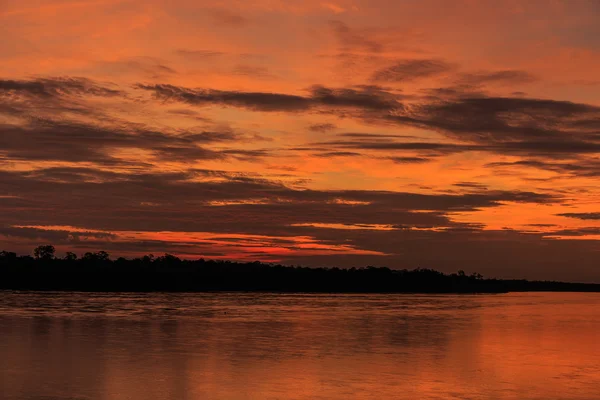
(269, 346)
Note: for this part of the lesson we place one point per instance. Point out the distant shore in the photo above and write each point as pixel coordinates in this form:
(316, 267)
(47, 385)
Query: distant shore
(96, 272)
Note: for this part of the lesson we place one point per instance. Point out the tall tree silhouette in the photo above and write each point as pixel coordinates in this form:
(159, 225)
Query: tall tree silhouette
(45, 252)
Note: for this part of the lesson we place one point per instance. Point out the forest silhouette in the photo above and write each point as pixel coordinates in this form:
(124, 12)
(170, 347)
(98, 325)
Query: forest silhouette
(98, 272)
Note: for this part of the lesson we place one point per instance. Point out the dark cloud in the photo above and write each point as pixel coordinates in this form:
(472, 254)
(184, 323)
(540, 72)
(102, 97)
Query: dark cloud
(471, 185)
(75, 174)
(52, 87)
(190, 114)
(54, 236)
(247, 155)
(410, 70)
(369, 98)
(576, 232)
(590, 216)
(503, 76)
(592, 124)
(246, 204)
(504, 125)
(76, 142)
(380, 143)
(212, 137)
(542, 225)
(583, 167)
(500, 118)
(252, 100)
(322, 127)
(409, 160)
(338, 154)
(521, 126)
(563, 148)
(373, 136)
(548, 149)
(56, 98)
(44, 140)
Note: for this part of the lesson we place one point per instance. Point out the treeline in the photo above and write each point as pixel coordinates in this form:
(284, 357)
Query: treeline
(97, 272)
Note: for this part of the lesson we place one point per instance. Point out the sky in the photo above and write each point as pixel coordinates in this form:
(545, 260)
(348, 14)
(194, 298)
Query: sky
(431, 134)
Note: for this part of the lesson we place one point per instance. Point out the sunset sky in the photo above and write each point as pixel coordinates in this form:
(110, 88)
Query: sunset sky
(437, 134)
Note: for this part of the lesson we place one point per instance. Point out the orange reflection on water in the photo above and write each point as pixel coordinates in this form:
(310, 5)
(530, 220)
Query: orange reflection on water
(268, 346)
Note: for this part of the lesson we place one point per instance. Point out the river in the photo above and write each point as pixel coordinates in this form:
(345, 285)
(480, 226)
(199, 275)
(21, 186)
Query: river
(79, 346)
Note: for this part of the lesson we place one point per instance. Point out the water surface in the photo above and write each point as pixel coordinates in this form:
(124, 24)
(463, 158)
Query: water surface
(57, 346)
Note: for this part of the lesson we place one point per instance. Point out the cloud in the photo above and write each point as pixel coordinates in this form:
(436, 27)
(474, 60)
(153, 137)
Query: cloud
(56, 98)
(338, 154)
(409, 160)
(247, 155)
(470, 185)
(252, 100)
(215, 200)
(410, 70)
(523, 126)
(590, 216)
(576, 232)
(322, 127)
(504, 125)
(369, 98)
(53, 235)
(53, 87)
(384, 143)
(551, 150)
(502, 76)
(77, 142)
(583, 167)
(500, 118)
(517, 126)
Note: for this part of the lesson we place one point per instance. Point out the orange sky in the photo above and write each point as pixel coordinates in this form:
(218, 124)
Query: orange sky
(461, 135)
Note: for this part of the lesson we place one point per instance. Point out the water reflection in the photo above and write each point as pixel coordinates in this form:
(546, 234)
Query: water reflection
(267, 346)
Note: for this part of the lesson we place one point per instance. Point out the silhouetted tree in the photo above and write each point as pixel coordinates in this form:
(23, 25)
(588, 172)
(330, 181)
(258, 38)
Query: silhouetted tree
(476, 275)
(97, 256)
(8, 255)
(45, 252)
(168, 259)
(169, 273)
